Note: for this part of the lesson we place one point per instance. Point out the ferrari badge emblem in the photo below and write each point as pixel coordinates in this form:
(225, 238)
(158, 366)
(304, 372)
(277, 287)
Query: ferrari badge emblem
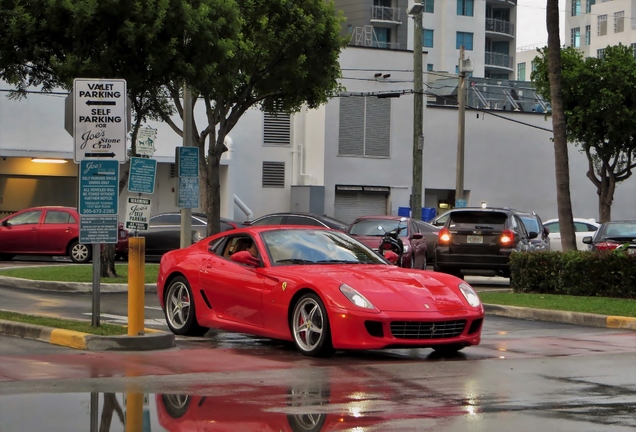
(284, 286)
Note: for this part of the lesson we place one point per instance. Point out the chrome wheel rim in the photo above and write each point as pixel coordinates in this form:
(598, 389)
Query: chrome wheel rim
(79, 252)
(308, 324)
(176, 400)
(178, 305)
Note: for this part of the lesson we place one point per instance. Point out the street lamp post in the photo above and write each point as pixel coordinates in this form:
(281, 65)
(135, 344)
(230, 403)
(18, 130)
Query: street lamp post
(418, 106)
(465, 67)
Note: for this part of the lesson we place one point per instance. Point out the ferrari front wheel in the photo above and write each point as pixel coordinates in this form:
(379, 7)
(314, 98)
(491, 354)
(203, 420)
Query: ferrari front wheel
(310, 327)
(179, 310)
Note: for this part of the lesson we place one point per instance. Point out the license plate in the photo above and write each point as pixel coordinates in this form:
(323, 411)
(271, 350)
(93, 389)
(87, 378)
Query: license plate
(475, 239)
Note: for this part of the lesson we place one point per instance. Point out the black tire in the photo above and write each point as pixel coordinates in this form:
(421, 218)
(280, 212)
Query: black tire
(310, 313)
(176, 405)
(449, 349)
(6, 257)
(180, 310)
(79, 253)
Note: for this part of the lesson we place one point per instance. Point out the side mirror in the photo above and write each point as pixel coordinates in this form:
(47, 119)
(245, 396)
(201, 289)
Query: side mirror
(244, 257)
(391, 256)
(587, 239)
(533, 235)
(5, 223)
(546, 230)
(417, 236)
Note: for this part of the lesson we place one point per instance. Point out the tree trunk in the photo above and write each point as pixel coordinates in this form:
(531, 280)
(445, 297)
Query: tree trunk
(213, 204)
(605, 193)
(107, 261)
(111, 405)
(561, 162)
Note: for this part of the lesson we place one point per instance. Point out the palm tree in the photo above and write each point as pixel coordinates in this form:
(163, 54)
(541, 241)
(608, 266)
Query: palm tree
(561, 161)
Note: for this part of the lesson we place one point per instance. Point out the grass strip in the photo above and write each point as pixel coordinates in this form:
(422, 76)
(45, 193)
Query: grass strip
(78, 273)
(594, 305)
(75, 325)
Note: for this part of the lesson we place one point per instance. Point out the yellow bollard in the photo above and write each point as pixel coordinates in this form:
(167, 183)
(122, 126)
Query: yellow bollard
(134, 411)
(136, 279)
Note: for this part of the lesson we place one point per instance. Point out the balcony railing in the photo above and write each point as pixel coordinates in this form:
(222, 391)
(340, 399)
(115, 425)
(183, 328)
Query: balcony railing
(383, 13)
(498, 59)
(500, 26)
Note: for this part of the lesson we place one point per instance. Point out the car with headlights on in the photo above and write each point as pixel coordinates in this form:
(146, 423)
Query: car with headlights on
(319, 288)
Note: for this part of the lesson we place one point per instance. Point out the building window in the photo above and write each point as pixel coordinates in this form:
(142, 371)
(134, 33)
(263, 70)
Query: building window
(429, 6)
(575, 37)
(465, 7)
(588, 34)
(521, 71)
(576, 7)
(600, 53)
(383, 36)
(429, 67)
(365, 127)
(619, 22)
(465, 39)
(601, 28)
(533, 65)
(588, 6)
(276, 129)
(634, 49)
(427, 38)
(273, 174)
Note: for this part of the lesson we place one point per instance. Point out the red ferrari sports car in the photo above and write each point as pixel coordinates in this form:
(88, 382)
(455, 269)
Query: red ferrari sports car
(319, 288)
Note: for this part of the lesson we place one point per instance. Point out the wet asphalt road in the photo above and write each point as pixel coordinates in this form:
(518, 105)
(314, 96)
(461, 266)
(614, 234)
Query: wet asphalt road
(525, 376)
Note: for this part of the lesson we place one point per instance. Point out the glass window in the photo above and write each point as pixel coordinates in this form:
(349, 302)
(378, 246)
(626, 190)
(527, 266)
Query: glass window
(429, 6)
(427, 38)
(619, 22)
(465, 7)
(166, 219)
(55, 217)
(575, 37)
(553, 227)
(26, 218)
(601, 25)
(429, 67)
(302, 220)
(269, 220)
(531, 224)
(465, 39)
(588, 5)
(576, 7)
(588, 34)
(600, 53)
(197, 221)
(521, 71)
(591, 227)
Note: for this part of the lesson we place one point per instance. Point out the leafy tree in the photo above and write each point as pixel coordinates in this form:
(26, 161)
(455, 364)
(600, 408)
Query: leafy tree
(285, 56)
(600, 105)
(48, 43)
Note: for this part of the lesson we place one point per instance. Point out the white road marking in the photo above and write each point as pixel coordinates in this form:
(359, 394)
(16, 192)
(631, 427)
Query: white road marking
(120, 319)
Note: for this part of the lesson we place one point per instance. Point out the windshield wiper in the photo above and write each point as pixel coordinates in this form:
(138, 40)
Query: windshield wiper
(338, 262)
(294, 261)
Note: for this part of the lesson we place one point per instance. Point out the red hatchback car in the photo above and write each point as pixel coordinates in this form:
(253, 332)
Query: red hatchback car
(49, 230)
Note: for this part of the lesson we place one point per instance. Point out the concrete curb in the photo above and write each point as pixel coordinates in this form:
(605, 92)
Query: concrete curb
(152, 340)
(584, 319)
(83, 287)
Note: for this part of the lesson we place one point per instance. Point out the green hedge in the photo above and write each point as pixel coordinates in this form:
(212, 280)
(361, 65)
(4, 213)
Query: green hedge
(579, 273)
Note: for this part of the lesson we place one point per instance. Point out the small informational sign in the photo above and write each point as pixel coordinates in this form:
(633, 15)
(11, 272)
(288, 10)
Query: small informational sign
(459, 203)
(99, 188)
(100, 119)
(187, 159)
(137, 214)
(143, 172)
(146, 138)
(98, 229)
(188, 192)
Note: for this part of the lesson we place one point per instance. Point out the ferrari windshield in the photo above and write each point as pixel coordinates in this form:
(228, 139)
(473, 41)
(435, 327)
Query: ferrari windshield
(307, 246)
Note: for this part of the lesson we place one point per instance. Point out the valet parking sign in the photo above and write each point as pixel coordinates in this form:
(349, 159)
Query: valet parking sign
(99, 119)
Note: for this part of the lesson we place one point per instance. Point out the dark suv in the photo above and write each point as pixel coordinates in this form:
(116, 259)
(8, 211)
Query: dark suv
(481, 241)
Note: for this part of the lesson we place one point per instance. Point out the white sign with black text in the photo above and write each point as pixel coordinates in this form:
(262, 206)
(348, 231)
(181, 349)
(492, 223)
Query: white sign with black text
(137, 214)
(99, 119)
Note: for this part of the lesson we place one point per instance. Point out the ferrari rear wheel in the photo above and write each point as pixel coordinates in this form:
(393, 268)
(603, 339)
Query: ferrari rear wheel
(176, 405)
(180, 312)
(310, 327)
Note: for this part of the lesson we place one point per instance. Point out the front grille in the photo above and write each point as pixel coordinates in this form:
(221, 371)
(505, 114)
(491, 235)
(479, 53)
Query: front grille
(427, 330)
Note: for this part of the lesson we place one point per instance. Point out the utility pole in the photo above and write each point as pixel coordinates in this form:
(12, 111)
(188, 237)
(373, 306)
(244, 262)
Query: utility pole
(418, 115)
(465, 67)
(186, 213)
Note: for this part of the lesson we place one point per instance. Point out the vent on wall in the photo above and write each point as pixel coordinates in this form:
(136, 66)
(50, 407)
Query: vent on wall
(273, 174)
(173, 170)
(277, 129)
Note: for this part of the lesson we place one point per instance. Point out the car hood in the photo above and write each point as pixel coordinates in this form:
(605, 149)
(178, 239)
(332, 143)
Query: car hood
(390, 288)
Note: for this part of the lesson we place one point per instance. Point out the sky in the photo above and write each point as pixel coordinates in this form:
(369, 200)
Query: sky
(531, 22)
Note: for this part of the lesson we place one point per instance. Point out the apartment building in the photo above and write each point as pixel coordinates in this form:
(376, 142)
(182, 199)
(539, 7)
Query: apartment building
(486, 29)
(592, 25)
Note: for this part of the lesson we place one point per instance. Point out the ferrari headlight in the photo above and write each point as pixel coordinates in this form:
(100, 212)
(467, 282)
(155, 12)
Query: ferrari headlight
(470, 294)
(355, 297)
